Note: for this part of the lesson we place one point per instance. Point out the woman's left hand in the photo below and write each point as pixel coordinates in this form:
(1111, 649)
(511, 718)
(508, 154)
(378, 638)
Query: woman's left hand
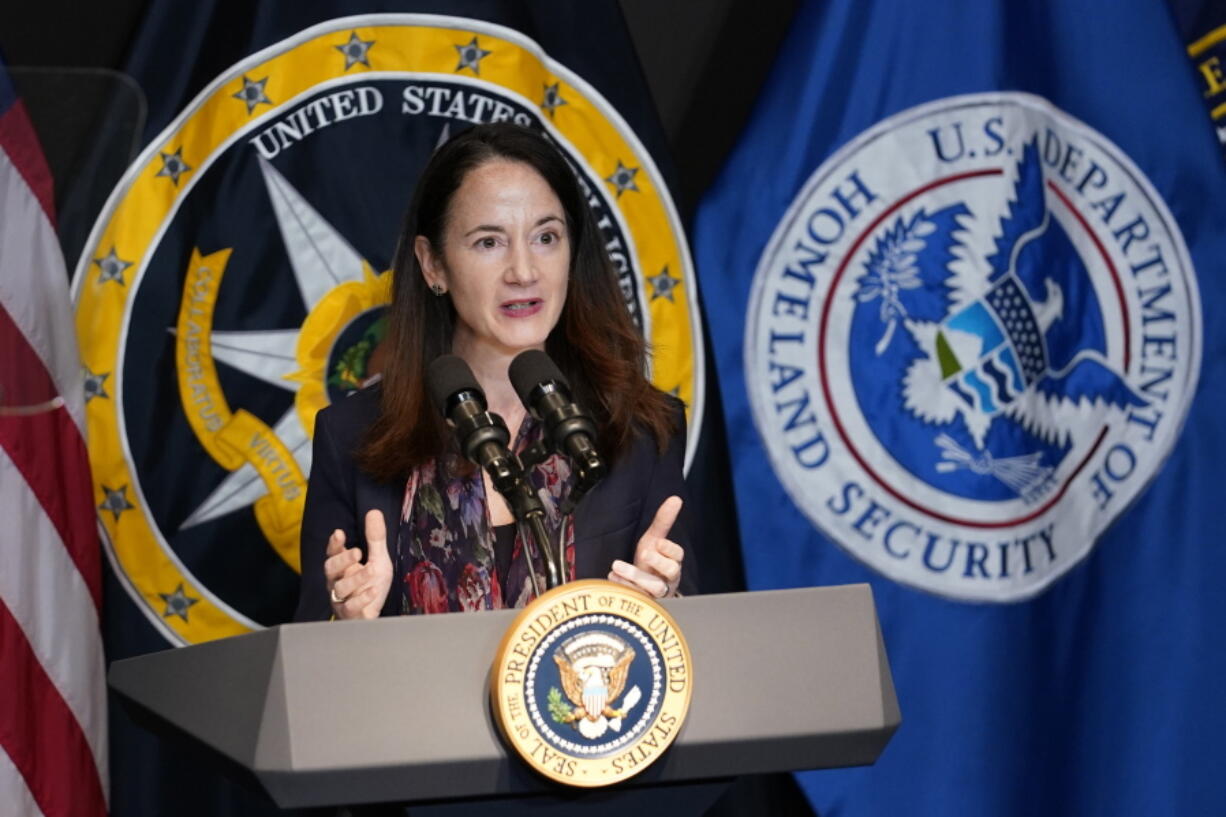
(657, 561)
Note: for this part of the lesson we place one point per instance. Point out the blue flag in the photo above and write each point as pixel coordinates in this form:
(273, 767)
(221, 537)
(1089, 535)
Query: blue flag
(959, 273)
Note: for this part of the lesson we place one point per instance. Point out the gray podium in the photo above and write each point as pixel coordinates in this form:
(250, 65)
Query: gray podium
(397, 710)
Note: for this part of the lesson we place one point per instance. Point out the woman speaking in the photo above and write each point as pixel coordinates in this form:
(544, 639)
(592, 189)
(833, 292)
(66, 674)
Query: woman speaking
(499, 254)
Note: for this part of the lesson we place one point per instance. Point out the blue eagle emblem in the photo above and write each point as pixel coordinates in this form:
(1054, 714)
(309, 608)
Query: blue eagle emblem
(1004, 355)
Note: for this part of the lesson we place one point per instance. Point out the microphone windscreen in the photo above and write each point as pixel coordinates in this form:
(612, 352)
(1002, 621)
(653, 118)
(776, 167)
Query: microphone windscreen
(446, 375)
(531, 368)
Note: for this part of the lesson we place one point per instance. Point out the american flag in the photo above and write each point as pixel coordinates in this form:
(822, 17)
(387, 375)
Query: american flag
(53, 746)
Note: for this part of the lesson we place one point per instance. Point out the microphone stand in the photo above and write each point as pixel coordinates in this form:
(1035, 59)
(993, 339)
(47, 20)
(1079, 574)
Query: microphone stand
(485, 439)
(509, 477)
(529, 511)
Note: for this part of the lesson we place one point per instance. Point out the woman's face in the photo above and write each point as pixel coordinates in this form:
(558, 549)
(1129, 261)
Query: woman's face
(505, 260)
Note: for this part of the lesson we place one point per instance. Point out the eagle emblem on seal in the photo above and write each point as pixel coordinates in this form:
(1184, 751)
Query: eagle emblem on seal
(1014, 337)
(593, 667)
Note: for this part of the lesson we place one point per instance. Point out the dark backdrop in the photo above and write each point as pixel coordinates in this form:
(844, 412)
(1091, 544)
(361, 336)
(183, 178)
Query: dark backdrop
(704, 61)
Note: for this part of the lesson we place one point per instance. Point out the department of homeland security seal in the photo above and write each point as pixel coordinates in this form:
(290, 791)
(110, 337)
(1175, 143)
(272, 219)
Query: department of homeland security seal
(235, 281)
(971, 343)
(591, 683)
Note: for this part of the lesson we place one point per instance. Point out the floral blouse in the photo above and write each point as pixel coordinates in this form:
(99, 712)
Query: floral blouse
(445, 554)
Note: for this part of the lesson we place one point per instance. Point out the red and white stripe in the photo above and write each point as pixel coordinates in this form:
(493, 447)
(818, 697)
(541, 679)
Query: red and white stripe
(53, 751)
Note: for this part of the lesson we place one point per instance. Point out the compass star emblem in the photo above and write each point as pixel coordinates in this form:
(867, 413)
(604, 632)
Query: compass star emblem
(336, 284)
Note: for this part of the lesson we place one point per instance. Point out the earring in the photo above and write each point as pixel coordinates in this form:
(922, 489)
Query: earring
(437, 288)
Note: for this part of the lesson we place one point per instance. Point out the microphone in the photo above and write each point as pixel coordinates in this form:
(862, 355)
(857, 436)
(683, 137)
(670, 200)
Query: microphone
(483, 436)
(545, 392)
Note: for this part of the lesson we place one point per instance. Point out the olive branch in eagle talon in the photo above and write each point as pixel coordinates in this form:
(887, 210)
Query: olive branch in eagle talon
(891, 269)
(559, 712)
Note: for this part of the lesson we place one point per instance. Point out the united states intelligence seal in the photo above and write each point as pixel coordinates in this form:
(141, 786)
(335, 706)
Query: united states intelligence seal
(234, 285)
(972, 342)
(591, 683)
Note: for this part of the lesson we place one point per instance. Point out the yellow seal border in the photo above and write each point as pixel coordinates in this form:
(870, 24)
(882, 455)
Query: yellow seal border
(581, 599)
(141, 207)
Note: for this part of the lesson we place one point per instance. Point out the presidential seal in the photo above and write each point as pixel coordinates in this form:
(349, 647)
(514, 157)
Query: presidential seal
(591, 683)
(972, 342)
(234, 285)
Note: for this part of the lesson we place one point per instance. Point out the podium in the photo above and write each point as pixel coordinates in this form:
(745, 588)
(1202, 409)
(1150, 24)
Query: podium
(397, 709)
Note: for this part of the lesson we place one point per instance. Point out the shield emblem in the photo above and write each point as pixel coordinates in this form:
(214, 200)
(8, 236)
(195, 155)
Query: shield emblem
(992, 349)
(595, 694)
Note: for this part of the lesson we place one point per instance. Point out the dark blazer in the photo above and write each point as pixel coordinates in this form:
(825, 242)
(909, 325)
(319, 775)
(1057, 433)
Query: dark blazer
(608, 521)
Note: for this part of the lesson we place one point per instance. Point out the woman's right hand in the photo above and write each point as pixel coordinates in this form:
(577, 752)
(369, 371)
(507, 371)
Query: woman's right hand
(359, 590)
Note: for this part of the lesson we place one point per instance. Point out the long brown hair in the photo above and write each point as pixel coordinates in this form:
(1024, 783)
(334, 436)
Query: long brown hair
(595, 343)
